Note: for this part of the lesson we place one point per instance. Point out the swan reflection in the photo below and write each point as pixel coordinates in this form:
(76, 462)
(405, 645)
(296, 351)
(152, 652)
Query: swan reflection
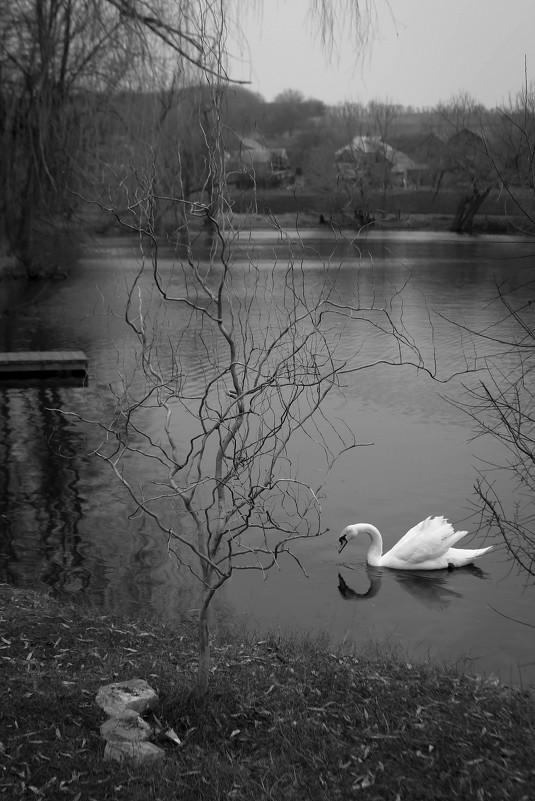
(431, 589)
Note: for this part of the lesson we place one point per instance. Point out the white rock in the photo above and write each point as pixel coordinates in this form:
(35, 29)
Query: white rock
(138, 752)
(127, 727)
(135, 694)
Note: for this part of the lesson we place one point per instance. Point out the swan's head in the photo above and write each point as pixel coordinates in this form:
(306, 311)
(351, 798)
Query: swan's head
(349, 533)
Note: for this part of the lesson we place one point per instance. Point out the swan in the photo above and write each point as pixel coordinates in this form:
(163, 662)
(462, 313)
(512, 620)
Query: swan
(426, 546)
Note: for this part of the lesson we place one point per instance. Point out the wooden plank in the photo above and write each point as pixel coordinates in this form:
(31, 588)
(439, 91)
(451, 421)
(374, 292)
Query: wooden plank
(42, 356)
(33, 365)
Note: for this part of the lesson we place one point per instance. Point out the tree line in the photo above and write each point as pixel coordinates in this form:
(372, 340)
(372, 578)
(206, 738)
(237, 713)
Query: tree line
(90, 88)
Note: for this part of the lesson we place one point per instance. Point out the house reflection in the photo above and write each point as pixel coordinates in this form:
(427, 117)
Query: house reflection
(428, 587)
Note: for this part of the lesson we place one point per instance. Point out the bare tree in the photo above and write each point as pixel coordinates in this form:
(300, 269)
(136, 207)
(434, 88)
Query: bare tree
(502, 406)
(348, 120)
(63, 65)
(236, 360)
(224, 481)
(511, 151)
(466, 159)
(59, 62)
(336, 21)
(383, 116)
(462, 110)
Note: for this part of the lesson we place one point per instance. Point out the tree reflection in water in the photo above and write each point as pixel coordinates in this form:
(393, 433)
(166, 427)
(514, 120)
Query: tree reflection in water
(41, 506)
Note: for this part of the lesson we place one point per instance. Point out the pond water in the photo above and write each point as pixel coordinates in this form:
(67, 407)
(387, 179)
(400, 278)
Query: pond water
(65, 522)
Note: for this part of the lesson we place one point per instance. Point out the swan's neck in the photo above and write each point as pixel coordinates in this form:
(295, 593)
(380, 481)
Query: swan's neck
(375, 551)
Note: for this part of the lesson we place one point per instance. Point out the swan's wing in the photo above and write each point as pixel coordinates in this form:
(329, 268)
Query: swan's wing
(430, 539)
(419, 530)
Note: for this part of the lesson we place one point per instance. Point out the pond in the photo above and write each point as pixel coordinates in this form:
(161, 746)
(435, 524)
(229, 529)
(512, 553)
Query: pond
(65, 521)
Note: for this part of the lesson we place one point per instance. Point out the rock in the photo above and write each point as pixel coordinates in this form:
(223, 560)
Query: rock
(128, 727)
(135, 694)
(138, 752)
(125, 732)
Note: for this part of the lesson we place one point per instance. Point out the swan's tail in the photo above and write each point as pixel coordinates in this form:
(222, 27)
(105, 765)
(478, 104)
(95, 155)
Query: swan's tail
(464, 556)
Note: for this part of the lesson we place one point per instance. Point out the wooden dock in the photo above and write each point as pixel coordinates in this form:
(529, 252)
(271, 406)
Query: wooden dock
(39, 366)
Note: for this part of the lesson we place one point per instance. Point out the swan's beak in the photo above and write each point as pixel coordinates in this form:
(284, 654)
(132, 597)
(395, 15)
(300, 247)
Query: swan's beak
(343, 543)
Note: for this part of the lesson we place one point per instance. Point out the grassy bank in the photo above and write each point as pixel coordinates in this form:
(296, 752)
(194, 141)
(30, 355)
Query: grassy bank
(284, 720)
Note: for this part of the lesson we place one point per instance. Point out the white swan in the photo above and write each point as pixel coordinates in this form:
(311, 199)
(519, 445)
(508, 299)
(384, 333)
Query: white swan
(426, 546)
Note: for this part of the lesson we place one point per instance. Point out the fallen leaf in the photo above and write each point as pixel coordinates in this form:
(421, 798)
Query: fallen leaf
(172, 735)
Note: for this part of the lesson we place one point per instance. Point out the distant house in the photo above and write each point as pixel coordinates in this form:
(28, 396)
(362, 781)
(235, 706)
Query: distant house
(448, 160)
(432, 147)
(370, 158)
(406, 170)
(468, 149)
(467, 139)
(451, 159)
(251, 161)
(434, 154)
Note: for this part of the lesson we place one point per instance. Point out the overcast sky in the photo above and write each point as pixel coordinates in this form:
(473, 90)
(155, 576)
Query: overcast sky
(424, 51)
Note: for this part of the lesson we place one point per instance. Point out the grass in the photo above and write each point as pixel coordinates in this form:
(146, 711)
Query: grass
(284, 719)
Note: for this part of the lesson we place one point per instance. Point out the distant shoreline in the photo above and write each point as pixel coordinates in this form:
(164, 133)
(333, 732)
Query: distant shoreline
(12, 268)
(484, 224)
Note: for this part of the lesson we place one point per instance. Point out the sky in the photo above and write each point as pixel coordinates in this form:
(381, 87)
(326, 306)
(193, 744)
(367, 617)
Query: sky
(423, 52)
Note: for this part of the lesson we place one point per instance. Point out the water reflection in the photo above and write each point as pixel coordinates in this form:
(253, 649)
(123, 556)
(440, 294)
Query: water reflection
(430, 589)
(65, 523)
(41, 508)
(62, 525)
(348, 594)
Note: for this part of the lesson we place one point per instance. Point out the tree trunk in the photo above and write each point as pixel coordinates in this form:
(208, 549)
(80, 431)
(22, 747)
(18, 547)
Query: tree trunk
(203, 670)
(468, 207)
